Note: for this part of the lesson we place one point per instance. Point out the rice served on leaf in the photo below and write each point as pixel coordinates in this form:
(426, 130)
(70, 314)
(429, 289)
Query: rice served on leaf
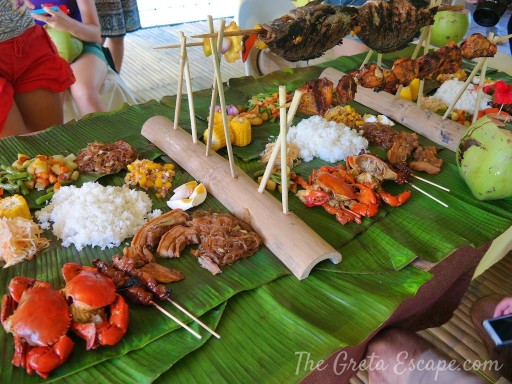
(449, 89)
(95, 215)
(327, 140)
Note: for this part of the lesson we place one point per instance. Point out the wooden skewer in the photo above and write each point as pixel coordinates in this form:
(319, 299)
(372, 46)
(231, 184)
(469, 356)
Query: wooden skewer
(429, 195)
(193, 318)
(450, 8)
(284, 165)
(196, 44)
(367, 58)
(273, 156)
(241, 32)
(379, 59)
(190, 93)
(179, 92)
(211, 116)
(171, 316)
(480, 92)
(428, 32)
(499, 39)
(414, 55)
(216, 49)
(431, 183)
(465, 86)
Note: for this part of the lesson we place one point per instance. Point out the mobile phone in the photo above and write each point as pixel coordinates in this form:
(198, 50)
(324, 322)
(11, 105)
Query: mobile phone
(500, 329)
(41, 11)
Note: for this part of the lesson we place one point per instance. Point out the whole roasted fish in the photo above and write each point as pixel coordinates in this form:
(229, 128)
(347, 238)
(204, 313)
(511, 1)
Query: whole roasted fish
(387, 26)
(307, 32)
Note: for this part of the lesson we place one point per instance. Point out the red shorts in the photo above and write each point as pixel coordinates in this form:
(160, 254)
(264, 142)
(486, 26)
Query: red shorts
(29, 62)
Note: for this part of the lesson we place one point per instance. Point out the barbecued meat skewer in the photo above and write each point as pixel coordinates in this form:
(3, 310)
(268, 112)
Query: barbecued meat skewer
(477, 45)
(307, 32)
(388, 26)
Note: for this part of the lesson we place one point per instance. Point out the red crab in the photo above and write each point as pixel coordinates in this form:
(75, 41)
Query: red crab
(90, 294)
(350, 194)
(39, 318)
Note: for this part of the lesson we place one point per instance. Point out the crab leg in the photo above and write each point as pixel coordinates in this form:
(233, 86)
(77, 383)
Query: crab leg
(43, 360)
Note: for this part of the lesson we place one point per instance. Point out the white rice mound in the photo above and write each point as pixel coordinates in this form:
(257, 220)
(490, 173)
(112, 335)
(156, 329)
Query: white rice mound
(95, 215)
(449, 89)
(327, 140)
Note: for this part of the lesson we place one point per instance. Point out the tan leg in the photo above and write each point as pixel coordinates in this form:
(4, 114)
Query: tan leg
(39, 110)
(90, 73)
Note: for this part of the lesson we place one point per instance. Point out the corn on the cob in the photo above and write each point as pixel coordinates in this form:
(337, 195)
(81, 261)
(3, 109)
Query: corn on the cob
(148, 174)
(14, 206)
(218, 136)
(242, 130)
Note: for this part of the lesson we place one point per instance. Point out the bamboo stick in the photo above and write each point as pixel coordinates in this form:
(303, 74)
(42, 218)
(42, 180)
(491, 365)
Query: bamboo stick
(273, 156)
(241, 32)
(480, 91)
(179, 92)
(428, 32)
(446, 133)
(429, 195)
(367, 58)
(190, 93)
(196, 44)
(218, 75)
(211, 115)
(284, 166)
(431, 183)
(289, 238)
(203, 325)
(171, 316)
(465, 86)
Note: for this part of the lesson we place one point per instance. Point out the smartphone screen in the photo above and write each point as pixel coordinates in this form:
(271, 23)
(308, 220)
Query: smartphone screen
(500, 329)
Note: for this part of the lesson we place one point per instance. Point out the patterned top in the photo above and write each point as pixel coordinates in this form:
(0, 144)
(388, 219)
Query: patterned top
(14, 19)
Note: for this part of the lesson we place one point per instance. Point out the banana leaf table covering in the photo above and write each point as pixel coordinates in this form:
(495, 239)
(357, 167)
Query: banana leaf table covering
(274, 328)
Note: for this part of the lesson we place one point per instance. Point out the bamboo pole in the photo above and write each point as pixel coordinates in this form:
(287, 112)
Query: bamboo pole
(190, 93)
(446, 133)
(288, 237)
(179, 92)
(367, 58)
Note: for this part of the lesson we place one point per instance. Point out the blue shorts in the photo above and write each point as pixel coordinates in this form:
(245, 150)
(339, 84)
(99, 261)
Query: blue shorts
(94, 49)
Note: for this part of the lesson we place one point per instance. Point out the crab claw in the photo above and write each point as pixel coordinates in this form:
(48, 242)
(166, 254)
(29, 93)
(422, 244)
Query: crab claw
(395, 201)
(43, 360)
(110, 333)
(316, 198)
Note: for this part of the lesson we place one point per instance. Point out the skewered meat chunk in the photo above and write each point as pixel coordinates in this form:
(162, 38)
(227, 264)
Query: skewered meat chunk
(138, 295)
(427, 66)
(307, 32)
(161, 273)
(380, 79)
(317, 97)
(477, 45)
(346, 89)
(451, 58)
(404, 70)
(402, 147)
(389, 26)
(425, 160)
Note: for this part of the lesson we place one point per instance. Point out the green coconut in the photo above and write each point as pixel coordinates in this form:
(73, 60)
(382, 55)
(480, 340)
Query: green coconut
(484, 159)
(68, 46)
(449, 26)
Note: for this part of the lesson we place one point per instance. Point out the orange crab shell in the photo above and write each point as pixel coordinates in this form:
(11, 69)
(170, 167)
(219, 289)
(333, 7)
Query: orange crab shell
(90, 288)
(42, 316)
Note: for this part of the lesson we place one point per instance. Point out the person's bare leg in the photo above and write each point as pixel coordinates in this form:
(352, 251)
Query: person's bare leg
(90, 73)
(14, 124)
(40, 109)
(389, 354)
(116, 47)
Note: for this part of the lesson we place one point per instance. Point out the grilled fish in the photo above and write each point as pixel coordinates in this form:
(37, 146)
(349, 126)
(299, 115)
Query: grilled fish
(306, 32)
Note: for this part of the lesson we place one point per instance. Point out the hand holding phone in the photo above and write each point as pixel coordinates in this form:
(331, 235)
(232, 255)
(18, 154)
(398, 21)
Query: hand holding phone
(499, 329)
(57, 8)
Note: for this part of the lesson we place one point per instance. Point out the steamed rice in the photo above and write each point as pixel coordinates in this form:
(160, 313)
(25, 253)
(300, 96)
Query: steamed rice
(95, 215)
(327, 140)
(449, 89)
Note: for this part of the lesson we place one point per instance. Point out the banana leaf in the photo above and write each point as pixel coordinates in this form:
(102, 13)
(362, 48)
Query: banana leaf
(269, 334)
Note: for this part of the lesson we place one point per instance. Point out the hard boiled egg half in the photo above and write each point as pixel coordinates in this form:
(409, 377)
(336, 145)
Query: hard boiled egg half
(188, 195)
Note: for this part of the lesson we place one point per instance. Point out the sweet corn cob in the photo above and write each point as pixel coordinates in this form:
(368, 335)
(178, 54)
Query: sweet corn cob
(14, 206)
(242, 130)
(218, 136)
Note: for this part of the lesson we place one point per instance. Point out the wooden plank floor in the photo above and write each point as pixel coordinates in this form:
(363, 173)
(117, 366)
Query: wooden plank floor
(153, 73)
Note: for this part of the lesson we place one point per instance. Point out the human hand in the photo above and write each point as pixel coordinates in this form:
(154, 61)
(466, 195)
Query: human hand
(504, 307)
(53, 18)
(28, 3)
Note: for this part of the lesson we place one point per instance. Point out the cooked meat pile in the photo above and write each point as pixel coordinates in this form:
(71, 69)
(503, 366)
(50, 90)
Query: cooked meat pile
(346, 89)
(105, 158)
(401, 147)
(222, 239)
(387, 26)
(477, 45)
(307, 32)
(317, 97)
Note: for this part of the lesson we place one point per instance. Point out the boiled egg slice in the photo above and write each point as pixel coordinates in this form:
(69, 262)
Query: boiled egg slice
(184, 191)
(195, 198)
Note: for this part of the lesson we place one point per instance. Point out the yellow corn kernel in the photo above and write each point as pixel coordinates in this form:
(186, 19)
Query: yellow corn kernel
(218, 137)
(14, 206)
(242, 131)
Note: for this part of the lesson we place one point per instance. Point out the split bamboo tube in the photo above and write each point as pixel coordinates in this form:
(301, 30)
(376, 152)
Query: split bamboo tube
(289, 238)
(446, 133)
